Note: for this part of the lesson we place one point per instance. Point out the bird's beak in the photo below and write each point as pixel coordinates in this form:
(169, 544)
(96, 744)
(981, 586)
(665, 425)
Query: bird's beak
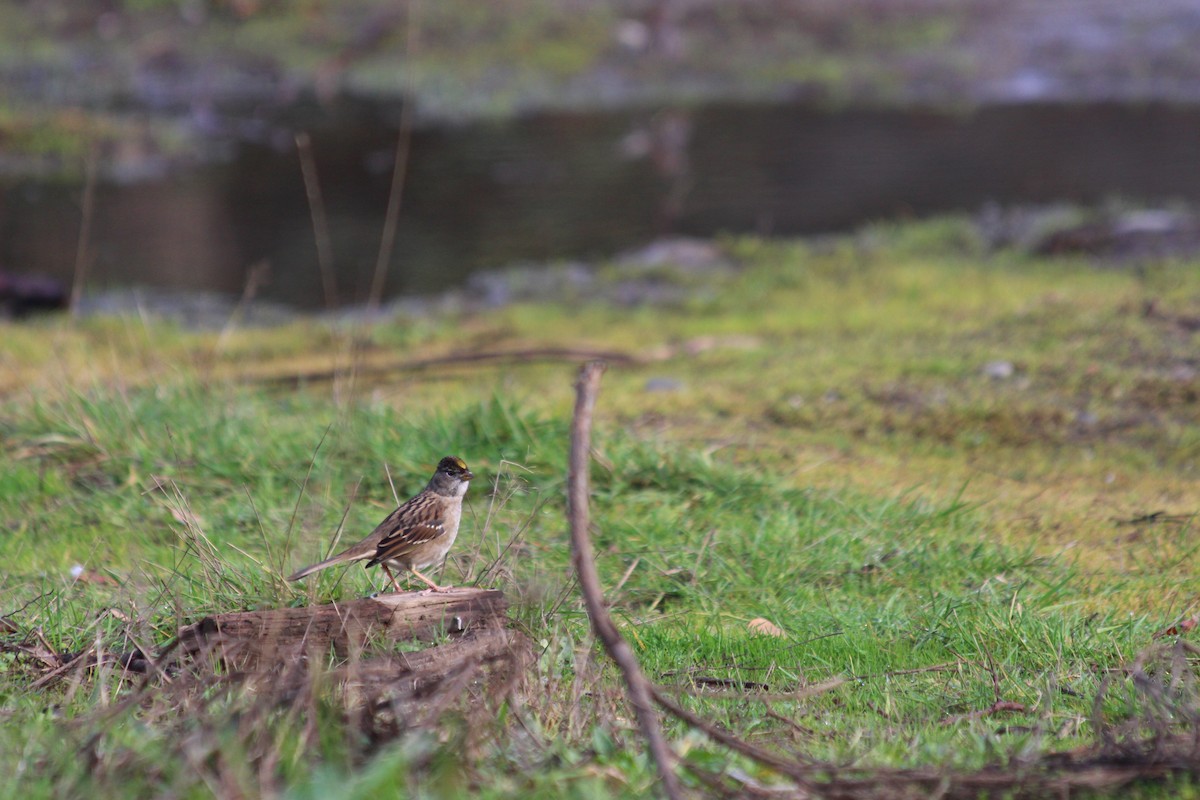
(466, 476)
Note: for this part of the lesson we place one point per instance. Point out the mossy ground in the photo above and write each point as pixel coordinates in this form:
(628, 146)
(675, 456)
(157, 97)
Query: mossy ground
(814, 437)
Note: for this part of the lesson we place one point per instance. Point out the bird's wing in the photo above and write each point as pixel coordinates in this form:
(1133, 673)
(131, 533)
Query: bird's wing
(402, 541)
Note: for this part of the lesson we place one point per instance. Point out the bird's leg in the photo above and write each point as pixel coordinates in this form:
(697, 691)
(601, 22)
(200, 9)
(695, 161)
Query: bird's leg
(391, 577)
(432, 586)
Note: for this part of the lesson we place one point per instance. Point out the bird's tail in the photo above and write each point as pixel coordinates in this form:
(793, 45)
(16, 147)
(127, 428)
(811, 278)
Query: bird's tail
(320, 565)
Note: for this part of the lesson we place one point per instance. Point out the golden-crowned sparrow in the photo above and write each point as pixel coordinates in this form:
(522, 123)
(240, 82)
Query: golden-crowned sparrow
(416, 535)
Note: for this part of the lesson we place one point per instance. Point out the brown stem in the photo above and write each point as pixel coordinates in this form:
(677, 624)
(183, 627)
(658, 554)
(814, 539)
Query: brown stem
(320, 220)
(533, 355)
(637, 687)
(795, 771)
(391, 219)
(82, 255)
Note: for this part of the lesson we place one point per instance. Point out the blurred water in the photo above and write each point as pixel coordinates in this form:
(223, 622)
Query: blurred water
(560, 186)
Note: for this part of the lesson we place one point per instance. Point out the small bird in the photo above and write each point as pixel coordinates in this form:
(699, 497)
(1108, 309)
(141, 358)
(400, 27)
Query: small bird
(416, 535)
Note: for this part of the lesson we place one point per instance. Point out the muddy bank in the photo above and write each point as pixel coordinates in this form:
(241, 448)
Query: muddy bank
(677, 271)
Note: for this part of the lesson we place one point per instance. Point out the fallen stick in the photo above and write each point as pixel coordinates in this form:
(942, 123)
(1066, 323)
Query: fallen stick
(995, 708)
(793, 770)
(529, 356)
(637, 687)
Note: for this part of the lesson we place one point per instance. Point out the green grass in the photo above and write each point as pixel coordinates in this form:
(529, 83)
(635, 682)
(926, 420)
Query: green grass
(835, 461)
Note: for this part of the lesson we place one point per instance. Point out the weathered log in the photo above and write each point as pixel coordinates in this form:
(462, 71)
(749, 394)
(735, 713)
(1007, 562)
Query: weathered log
(394, 692)
(481, 647)
(250, 639)
(410, 688)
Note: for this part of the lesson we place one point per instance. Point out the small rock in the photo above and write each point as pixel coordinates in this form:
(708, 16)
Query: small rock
(632, 34)
(663, 385)
(999, 370)
(702, 344)
(688, 255)
(1183, 373)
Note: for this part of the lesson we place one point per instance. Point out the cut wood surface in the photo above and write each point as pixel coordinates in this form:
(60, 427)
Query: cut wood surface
(243, 640)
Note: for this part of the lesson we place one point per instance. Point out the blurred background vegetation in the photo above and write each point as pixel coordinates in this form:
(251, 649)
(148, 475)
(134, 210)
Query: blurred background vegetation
(225, 137)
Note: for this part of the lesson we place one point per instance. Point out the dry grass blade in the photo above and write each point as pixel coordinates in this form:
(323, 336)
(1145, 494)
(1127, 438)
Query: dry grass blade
(320, 219)
(400, 164)
(82, 253)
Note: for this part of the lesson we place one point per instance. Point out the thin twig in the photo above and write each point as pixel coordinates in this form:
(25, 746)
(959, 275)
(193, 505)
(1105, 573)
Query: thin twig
(639, 690)
(391, 219)
(85, 228)
(995, 708)
(708, 537)
(12, 614)
(312, 460)
(749, 694)
(943, 667)
(81, 659)
(793, 770)
(527, 356)
(625, 578)
(392, 483)
(791, 723)
(511, 541)
(257, 276)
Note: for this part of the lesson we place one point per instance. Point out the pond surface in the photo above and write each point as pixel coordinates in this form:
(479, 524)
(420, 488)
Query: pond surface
(562, 186)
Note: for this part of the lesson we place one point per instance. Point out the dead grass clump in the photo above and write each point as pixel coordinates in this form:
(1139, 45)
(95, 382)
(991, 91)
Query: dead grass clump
(242, 702)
